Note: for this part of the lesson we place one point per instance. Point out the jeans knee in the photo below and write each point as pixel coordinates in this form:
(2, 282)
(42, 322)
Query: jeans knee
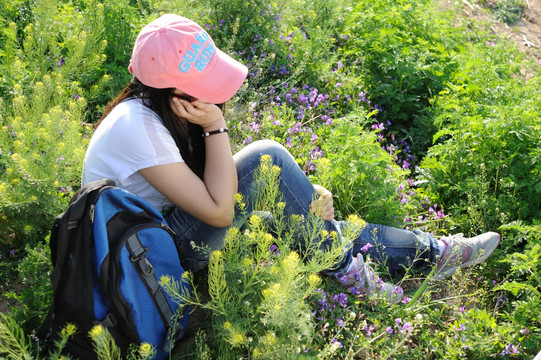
(270, 147)
(259, 148)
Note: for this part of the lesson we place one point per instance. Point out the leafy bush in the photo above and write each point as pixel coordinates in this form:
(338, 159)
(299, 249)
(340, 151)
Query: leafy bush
(509, 11)
(35, 293)
(485, 162)
(520, 292)
(361, 175)
(404, 53)
(46, 78)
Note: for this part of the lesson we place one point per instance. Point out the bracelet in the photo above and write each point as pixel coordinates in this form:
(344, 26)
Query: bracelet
(219, 131)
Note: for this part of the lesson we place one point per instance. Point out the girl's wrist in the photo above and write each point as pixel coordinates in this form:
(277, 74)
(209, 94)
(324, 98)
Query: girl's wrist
(215, 125)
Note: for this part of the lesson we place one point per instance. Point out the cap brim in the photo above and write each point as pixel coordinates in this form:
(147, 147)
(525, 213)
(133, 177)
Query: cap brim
(220, 83)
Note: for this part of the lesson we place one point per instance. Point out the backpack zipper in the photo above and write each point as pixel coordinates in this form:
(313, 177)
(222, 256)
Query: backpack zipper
(91, 212)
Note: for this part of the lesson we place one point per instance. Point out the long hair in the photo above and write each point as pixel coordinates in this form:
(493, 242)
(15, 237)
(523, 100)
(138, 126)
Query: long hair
(188, 138)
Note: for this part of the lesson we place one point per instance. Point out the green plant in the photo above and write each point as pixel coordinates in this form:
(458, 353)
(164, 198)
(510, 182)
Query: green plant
(49, 75)
(259, 284)
(360, 174)
(404, 52)
(15, 343)
(34, 293)
(509, 11)
(484, 157)
(523, 283)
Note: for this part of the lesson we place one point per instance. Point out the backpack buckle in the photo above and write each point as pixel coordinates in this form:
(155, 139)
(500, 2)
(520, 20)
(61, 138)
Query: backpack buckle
(142, 262)
(146, 267)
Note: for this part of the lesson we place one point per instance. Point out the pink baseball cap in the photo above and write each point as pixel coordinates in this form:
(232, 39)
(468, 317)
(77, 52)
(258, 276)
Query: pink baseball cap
(175, 52)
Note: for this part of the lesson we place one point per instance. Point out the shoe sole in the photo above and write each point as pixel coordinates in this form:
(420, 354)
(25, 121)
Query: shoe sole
(469, 263)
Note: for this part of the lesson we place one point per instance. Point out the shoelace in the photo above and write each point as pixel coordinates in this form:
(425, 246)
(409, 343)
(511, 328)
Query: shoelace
(453, 243)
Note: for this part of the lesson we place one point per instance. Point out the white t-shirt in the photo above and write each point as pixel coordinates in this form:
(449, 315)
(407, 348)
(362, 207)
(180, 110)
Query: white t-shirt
(132, 137)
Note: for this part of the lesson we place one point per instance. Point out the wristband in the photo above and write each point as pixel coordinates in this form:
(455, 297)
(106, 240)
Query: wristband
(219, 131)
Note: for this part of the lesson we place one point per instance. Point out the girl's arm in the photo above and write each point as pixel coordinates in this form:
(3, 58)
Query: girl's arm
(210, 200)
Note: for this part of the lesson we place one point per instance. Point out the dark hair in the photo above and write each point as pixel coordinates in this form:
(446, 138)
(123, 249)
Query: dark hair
(188, 138)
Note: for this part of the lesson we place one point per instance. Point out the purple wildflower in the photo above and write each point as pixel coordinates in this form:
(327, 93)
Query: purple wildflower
(406, 300)
(354, 290)
(283, 70)
(274, 249)
(341, 299)
(254, 127)
(365, 248)
(335, 341)
(509, 349)
(362, 96)
(368, 330)
(407, 328)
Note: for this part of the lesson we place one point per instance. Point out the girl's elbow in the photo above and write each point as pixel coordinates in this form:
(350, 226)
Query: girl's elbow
(223, 220)
(228, 220)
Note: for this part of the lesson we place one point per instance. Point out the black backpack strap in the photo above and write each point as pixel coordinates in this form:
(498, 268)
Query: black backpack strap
(146, 273)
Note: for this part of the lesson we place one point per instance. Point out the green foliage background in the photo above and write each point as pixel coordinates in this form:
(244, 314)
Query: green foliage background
(392, 105)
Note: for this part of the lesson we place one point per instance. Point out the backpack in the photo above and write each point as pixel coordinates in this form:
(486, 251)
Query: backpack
(109, 250)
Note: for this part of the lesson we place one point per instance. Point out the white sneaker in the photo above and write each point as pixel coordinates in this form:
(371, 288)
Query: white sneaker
(461, 252)
(363, 279)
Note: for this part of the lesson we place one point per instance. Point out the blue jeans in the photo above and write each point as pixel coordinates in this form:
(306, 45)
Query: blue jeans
(395, 247)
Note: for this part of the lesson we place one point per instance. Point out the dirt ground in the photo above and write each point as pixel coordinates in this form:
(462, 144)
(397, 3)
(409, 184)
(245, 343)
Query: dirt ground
(526, 33)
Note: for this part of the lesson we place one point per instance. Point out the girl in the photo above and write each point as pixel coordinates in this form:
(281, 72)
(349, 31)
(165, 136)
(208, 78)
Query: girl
(164, 138)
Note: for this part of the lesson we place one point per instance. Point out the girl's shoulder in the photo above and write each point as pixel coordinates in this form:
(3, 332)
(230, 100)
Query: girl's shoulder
(131, 112)
(134, 106)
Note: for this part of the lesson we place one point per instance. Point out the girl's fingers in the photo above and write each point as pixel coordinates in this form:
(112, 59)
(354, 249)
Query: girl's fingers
(196, 112)
(187, 110)
(180, 107)
(322, 208)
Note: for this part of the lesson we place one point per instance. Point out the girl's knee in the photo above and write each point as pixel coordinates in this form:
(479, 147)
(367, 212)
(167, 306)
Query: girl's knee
(263, 147)
(269, 147)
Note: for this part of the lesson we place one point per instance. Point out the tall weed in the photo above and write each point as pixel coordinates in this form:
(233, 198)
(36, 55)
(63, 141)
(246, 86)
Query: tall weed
(259, 284)
(49, 74)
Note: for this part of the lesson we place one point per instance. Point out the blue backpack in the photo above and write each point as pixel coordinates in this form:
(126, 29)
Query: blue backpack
(109, 250)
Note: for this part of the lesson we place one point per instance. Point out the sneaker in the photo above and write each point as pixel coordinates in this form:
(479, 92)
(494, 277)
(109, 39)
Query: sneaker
(362, 279)
(461, 252)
